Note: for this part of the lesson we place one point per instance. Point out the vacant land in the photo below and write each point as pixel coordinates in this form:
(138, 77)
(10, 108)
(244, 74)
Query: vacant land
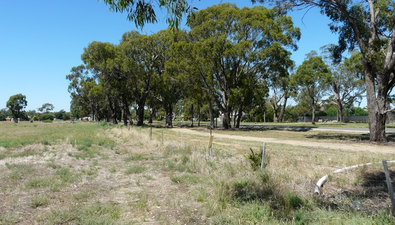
(62, 173)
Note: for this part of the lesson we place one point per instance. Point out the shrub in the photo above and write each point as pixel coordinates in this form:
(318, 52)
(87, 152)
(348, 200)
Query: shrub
(255, 159)
(47, 117)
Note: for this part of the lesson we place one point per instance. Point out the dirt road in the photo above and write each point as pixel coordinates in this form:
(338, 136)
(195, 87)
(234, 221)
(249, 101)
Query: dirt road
(349, 146)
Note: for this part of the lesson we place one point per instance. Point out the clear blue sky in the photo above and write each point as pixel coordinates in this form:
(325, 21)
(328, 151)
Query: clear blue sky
(41, 40)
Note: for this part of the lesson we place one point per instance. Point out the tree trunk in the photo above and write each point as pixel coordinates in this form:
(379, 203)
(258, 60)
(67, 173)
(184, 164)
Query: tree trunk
(226, 120)
(191, 115)
(282, 112)
(151, 115)
(210, 110)
(275, 117)
(198, 116)
(140, 114)
(339, 111)
(376, 116)
(129, 115)
(240, 115)
(313, 116)
(112, 111)
(169, 115)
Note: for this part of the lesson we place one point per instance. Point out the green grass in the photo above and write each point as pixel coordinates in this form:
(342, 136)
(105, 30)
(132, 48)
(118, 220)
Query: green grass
(135, 169)
(25, 133)
(39, 201)
(97, 213)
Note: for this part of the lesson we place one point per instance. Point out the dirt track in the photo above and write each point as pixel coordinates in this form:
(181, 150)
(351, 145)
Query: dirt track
(328, 145)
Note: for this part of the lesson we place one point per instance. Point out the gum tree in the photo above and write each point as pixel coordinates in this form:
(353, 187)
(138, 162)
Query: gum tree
(16, 104)
(234, 50)
(313, 78)
(369, 26)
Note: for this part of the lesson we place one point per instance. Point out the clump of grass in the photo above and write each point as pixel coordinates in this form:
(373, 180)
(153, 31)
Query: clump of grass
(9, 218)
(185, 179)
(135, 169)
(97, 213)
(136, 157)
(20, 171)
(39, 201)
(36, 183)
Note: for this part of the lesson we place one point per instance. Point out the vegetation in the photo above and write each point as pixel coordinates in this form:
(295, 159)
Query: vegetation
(87, 173)
(375, 41)
(16, 105)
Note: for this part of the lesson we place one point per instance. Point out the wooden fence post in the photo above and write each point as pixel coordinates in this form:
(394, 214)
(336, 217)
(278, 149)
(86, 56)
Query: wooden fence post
(389, 184)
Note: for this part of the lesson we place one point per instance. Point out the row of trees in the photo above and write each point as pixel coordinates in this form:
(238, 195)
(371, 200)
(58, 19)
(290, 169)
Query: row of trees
(224, 61)
(366, 25)
(16, 109)
(227, 62)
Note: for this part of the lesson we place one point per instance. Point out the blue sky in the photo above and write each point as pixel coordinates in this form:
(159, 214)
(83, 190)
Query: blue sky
(40, 41)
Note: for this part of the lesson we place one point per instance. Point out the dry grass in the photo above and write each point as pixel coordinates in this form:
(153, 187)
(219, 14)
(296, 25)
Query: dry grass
(87, 173)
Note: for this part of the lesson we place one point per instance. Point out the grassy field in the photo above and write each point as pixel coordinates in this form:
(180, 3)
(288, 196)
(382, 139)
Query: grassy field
(63, 173)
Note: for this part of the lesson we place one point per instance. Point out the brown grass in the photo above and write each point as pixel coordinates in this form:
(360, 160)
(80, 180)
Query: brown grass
(48, 184)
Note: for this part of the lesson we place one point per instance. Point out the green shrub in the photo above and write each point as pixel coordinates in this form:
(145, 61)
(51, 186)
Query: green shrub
(255, 159)
(47, 117)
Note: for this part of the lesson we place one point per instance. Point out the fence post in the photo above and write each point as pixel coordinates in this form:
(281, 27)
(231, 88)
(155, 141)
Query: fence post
(389, 185)
(263, 155)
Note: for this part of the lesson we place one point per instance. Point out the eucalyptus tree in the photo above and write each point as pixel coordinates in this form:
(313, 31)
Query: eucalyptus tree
(238, 48)
(139, 57)
(171, 87)
(347, 84)
(16, 104)
(87, 95)
(281, 90)
(101, 60)
(312, 78)
(369, 26)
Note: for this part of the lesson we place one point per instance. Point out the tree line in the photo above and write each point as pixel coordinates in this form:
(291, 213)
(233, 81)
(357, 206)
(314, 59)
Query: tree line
(233, 61)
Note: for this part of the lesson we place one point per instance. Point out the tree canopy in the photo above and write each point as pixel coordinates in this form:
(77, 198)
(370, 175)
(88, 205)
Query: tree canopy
(16, 105)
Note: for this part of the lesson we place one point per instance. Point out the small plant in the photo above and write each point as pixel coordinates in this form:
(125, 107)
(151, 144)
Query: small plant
(38, 201)
(255, 160)
(135, 169)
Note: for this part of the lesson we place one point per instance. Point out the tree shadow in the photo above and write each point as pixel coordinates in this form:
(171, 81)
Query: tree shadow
(273, 127)
(370, 195)
(347, 137)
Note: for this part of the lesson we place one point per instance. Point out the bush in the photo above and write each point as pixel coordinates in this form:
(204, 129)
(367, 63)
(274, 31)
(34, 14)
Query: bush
(47, 117)
(256, 159)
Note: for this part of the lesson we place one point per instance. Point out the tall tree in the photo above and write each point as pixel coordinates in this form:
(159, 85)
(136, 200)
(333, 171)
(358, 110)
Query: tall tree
(368, 25)
(235, 45)
(172, 77)
(87, 95)
(313, 78)
(347, 84)
(101, 60)
(140, 55)
(16, 104)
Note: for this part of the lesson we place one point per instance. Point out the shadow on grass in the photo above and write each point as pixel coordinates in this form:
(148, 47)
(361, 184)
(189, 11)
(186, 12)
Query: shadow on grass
(370, 195)
(347, 137)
